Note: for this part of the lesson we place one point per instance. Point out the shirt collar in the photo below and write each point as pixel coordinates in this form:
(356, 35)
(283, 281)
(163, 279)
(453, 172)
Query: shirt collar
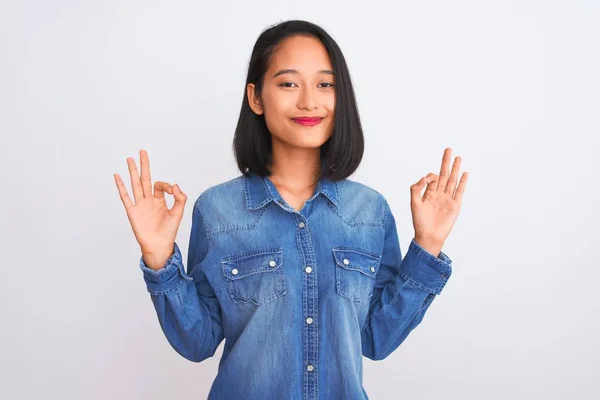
(260, 191)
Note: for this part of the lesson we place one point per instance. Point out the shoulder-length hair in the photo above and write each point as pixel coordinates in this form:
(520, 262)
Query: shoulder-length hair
(342, 152)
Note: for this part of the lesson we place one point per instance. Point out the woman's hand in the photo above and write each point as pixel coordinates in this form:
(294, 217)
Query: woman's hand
(154, 224)
(435, 212)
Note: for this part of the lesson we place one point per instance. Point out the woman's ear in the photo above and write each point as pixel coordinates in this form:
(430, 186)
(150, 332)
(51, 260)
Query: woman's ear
(253, 99)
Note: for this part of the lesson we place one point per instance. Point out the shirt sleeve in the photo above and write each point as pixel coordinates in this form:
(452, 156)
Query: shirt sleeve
(186, 305)
(404, 289)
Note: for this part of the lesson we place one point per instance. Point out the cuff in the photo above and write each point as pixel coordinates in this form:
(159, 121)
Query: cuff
(166, 278)
(424, 270)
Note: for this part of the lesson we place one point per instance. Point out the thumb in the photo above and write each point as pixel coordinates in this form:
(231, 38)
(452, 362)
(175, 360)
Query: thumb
(415, 190)
(180, 199)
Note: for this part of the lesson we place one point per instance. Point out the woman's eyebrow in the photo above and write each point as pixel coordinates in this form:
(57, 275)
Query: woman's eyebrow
(294, 71)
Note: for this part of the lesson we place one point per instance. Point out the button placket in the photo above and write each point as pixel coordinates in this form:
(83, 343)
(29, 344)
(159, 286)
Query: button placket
(310, 306)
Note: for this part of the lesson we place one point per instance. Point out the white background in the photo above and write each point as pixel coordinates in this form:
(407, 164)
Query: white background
(511, 86)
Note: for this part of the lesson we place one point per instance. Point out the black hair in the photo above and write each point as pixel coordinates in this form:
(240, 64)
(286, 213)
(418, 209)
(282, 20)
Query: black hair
(342, 152)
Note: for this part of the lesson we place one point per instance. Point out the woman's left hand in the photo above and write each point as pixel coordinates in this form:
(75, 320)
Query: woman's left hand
(435, 212)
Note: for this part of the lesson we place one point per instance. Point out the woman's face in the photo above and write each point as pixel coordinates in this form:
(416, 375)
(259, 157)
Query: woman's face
(299, 83)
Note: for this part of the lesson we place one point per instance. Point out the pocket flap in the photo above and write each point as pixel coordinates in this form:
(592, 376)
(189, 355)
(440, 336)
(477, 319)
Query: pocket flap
(357, 260)
(236, 267)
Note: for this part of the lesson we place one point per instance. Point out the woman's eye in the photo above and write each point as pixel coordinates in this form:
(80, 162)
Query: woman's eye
(291, 84)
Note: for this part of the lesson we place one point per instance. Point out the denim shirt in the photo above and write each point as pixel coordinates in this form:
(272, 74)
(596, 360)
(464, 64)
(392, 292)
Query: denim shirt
(299, 296)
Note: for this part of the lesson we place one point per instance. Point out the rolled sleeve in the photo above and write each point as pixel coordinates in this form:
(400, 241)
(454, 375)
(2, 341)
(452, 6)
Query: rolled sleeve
(424, 270)
(162, 280)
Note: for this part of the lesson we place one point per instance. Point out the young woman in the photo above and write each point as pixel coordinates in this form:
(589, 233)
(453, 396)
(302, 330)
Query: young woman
(298, 267)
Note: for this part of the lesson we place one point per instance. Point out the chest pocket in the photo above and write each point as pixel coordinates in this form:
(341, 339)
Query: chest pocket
(255, 277)
(355, 272)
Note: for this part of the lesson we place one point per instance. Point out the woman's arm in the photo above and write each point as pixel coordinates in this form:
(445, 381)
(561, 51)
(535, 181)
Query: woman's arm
(404, 290)
(187, 308)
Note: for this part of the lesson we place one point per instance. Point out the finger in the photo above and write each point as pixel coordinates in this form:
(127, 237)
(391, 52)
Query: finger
(160, 188)
(444, 170)
(123, 192)
(451, 185)
(460, 190)
(180, 199)
(136, 185)
(415, 189)
(432, 186)
(146, 182)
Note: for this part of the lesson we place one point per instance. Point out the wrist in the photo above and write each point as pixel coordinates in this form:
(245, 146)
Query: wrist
(430, 245)
(157, 259)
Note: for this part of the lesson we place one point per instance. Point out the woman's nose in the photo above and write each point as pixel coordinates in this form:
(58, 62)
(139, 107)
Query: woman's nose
(307, 99)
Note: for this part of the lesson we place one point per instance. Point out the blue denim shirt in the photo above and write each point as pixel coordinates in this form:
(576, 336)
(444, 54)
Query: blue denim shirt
(299, 296)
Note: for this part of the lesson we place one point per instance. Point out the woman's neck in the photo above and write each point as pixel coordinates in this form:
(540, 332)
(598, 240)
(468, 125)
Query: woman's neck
(295, 169)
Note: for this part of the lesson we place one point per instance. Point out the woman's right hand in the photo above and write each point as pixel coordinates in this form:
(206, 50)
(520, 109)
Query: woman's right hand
(154, 224)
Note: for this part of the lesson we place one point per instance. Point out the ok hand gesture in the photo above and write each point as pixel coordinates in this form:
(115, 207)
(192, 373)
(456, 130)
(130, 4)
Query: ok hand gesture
(435, 212)
(154, 224)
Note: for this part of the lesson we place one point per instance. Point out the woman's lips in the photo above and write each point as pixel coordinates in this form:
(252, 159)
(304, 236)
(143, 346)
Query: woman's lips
(307, 121)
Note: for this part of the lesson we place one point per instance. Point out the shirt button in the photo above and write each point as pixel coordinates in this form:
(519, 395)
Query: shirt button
(308, 269)
(234, 271)
(272, 263)
(301, 224)
(346, 262)
(309, 320)
(310, 367)
(372, 269)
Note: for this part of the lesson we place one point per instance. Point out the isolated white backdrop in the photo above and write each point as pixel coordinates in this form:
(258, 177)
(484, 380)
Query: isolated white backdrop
(511, 86)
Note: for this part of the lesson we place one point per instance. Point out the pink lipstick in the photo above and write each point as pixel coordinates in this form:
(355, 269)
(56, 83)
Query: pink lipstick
(307, 121)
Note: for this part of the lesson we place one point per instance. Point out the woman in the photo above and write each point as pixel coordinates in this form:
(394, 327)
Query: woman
(297, 266)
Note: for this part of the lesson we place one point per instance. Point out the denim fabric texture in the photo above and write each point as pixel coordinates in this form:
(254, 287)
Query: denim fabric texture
(299, 296)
